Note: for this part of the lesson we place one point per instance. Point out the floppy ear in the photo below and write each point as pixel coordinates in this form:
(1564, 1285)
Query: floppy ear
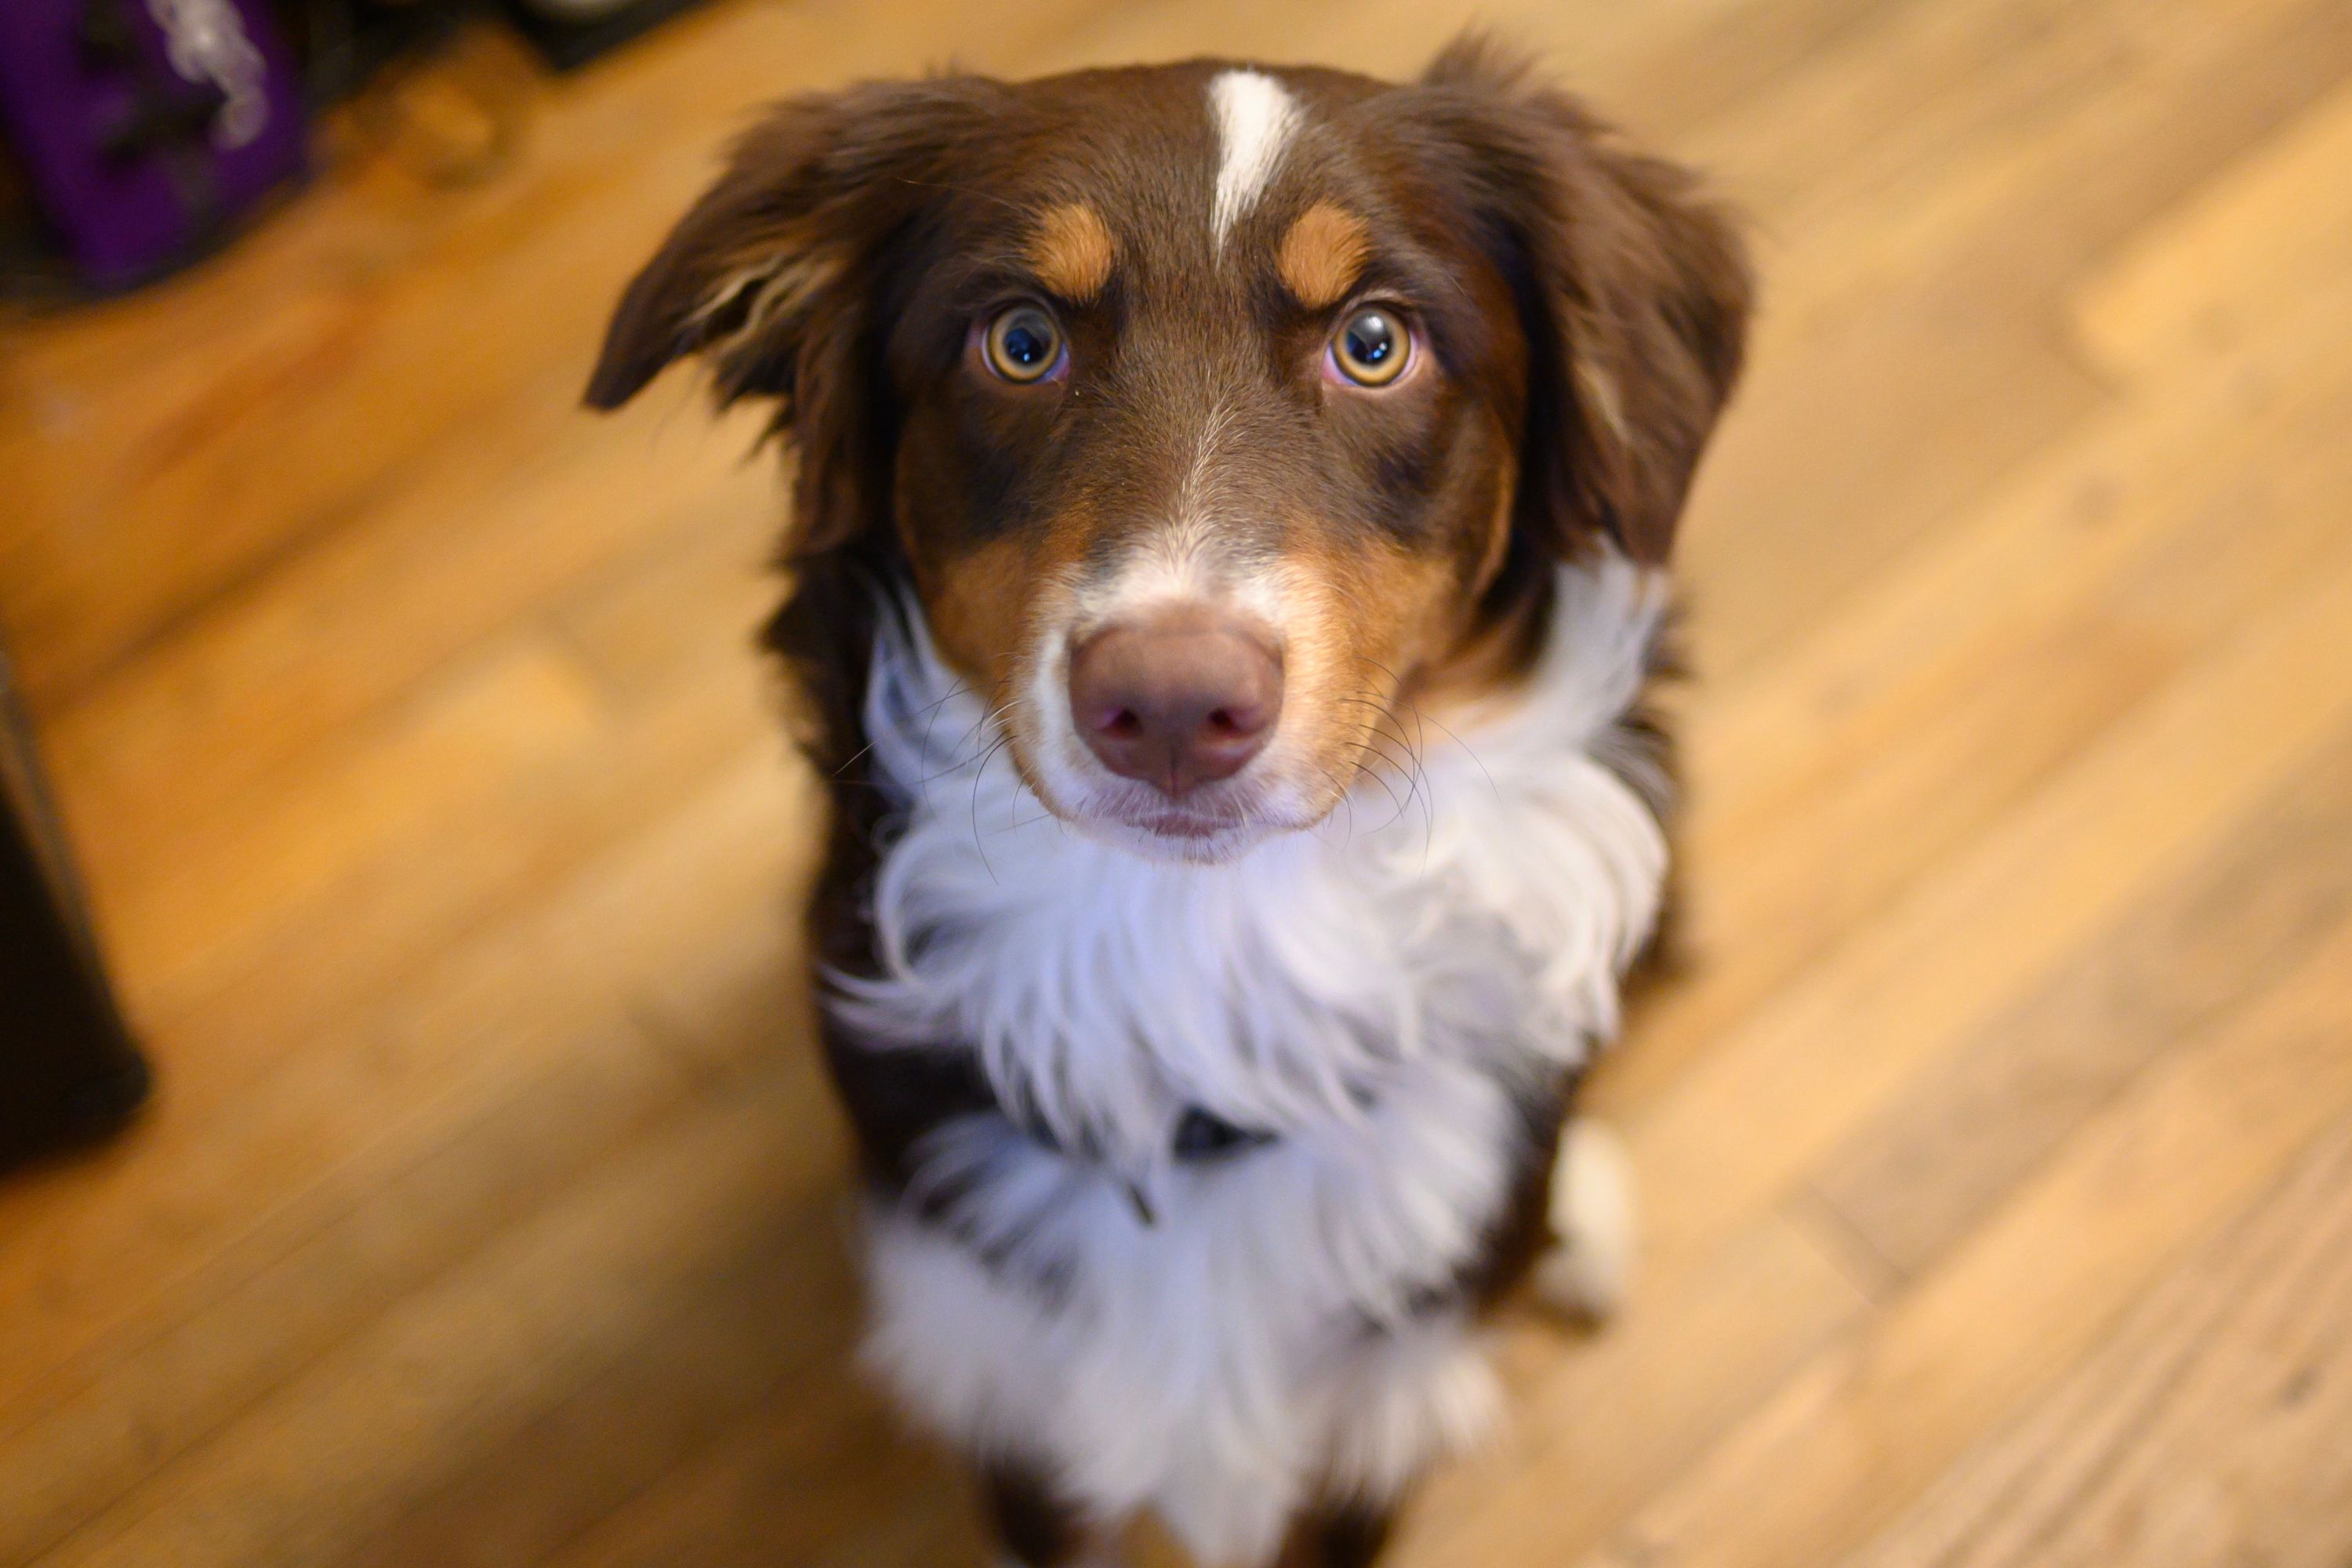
(1635, 293)
(772, 279)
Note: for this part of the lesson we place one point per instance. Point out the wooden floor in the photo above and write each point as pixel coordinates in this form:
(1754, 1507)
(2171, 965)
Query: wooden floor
(1998, 1149)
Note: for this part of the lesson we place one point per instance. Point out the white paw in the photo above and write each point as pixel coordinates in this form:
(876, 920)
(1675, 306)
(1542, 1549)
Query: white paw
(1585, 1274)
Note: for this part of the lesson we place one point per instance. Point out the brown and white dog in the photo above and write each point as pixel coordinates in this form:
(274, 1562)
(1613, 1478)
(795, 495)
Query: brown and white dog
(1226, 566)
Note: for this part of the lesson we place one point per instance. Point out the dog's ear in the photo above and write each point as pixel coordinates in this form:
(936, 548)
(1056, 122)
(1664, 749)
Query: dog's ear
(771, 279)
(1634, 291)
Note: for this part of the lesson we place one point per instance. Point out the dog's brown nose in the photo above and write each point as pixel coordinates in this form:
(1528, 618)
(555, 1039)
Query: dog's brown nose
(1180, 700)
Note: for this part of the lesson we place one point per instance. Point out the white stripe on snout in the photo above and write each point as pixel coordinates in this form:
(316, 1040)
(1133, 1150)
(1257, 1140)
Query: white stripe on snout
(1255, 118)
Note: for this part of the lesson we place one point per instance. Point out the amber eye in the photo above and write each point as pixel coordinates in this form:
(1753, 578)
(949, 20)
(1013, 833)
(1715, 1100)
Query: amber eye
(1372, 347)
(1023, 344)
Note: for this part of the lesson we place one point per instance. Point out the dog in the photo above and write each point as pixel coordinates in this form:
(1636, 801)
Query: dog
(1227, 578)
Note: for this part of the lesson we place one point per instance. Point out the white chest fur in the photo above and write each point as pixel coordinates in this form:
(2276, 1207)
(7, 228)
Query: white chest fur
(1369, 992)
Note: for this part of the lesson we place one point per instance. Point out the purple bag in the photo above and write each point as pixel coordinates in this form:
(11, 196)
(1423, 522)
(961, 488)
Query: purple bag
(147, 127)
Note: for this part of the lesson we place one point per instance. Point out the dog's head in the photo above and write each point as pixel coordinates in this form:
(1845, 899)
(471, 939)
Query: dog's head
(1209, 411)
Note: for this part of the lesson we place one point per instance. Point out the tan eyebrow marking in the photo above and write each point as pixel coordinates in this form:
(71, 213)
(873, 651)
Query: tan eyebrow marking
(1322, 255)
(1071, 252)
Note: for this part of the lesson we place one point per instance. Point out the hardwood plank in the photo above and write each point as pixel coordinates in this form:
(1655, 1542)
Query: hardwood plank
(1827, 779)
(354, 972)
(222, 716)
(314, 1466)
(776, 1330)
(2214, 1427)
(1952, 128)
(368, 1229)
(323, 951)
(166, 1382)
(831, 1482)
(1856, 1436)
(2177, 965)
(1685, 1362)
(216, 1198)
(1831, 1052)
(1842, 452)
(2278, 223)
(526, 704)
(686, 610)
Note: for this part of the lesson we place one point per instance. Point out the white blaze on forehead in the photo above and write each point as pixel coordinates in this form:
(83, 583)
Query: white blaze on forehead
(1255, 118)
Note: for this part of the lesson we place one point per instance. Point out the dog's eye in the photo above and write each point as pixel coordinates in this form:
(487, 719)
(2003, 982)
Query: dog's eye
(1023, 344)
(1372, 347)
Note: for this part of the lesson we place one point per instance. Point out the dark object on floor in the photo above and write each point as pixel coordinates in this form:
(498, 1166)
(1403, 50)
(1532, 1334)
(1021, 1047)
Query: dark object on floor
(148, 130)
(571, 33)
(68, 1072)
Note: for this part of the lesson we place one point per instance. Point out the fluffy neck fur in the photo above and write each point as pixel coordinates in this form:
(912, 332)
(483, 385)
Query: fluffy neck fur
(1486, 920)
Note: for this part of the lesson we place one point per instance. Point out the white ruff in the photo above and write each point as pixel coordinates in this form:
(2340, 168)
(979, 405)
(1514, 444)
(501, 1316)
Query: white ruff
(1371, 992)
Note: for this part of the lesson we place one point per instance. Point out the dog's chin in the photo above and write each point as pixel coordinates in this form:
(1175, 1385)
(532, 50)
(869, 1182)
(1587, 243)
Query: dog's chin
(1177, 837)
(1172, 831)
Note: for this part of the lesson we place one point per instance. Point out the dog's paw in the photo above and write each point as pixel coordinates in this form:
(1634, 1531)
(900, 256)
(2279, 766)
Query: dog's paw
(1585, 1273)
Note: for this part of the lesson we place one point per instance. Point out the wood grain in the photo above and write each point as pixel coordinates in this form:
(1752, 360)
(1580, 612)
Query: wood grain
(2214, 1426)
(1994, 1149)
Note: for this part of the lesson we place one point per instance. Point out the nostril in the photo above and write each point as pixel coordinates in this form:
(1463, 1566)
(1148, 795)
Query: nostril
(1126, 722)
(1236, 722)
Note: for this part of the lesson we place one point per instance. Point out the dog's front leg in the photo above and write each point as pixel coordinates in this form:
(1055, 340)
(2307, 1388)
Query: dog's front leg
(1585, 1274)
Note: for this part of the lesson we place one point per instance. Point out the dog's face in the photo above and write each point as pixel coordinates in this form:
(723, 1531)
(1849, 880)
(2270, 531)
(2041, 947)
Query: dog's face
(1210, 411)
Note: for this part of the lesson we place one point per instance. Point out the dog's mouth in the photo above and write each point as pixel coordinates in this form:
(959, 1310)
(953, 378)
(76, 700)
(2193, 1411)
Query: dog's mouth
(1219, 827)
(1184, 824)
(1193, 840)
(1163, 829)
